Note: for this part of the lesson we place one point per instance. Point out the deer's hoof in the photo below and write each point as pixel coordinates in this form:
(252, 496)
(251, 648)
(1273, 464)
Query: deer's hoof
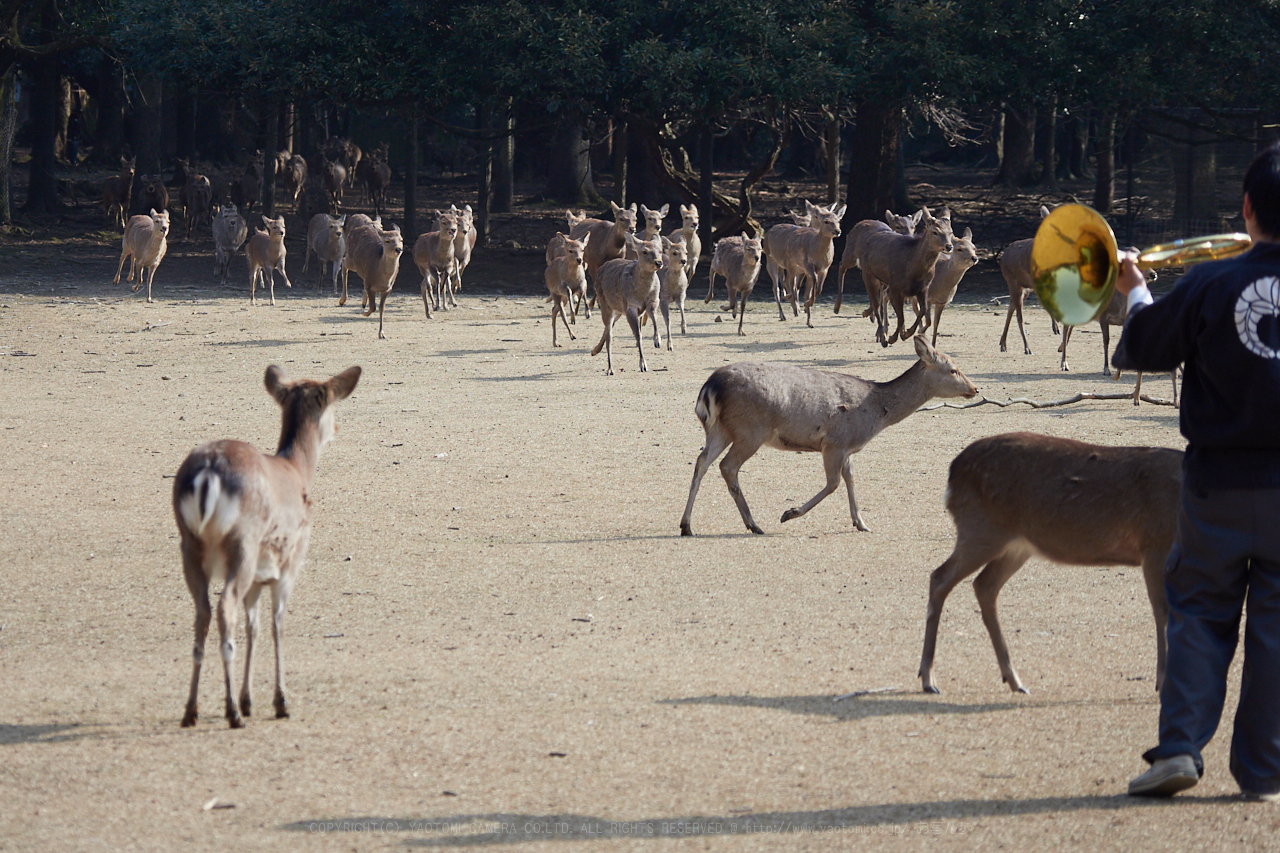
(246, 706)
(235, 721)
(685, 529)
(282, 708)
(755, 528)
(790, 514)
(929, 688)
(189, 718)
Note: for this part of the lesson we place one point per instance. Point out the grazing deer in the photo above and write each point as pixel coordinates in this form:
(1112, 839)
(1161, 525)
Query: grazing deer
(326, 241)
(1015, 266)
(629, 288)
(737, 260)
(229, 233)
(374, 255)
(1020, 495)
(608, 240)
(673, 282)
(793, 252)
(244, 518)
(688, 231)
(433, 253)
(901, 266)
(565, 276)
(144, 244)
(265, 253)
(946, 277)
(746, 405)
(117, 193)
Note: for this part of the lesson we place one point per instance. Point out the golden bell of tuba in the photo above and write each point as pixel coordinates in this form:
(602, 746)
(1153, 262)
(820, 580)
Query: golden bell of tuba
(1074, 261)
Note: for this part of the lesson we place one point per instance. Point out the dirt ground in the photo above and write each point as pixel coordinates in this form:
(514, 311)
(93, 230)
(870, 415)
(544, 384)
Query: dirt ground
(500, 637)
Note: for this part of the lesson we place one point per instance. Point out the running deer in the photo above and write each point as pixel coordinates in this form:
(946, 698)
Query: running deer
(265, 253)
(1021, 494)
(564, 277)
(229, 233)
(117, 193)
(374, 255)
(555, 246)
(652, 225)
(630, 289)
(673, 282)
(688, 231)
(326, 241)
(793, 252)
(747, 405)
(737, 261)
(849, 260)
(1015, 266)
(946, 277)
(244, 518)
(608, 240)
(144, 244)
(901, 266)
(463, 244)
(433, 254)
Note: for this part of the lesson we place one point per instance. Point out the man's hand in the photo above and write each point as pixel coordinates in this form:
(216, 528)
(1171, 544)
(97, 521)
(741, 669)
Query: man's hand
(1129, 276)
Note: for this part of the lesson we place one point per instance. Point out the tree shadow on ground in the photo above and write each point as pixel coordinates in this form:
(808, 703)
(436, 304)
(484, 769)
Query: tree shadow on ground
(853, 708)
(11, 733)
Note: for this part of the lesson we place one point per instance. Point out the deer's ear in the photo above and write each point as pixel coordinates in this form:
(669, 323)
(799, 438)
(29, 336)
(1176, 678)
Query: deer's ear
(967, 235)
(586, 238)
(840, 213)
(277, 385)
(927, 353)
(662, 211)
(341, 386)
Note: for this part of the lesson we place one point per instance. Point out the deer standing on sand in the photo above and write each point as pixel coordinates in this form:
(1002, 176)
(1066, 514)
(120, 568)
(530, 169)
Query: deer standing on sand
(793, 252)
(849, 260)
(1020, 495)
(673, 282)
(946, 277)
(463, 245)
(629, 288)
(1015, 266)
(374, 255)
(245, 518)
(737, 260)
(326, 241)
(688, 230)
(229, 233)
(747, 405)
(144, 244)
(565, 276)
(652, 225)
(433, 254)
(608, 240)
(265, 253)
(901, 266)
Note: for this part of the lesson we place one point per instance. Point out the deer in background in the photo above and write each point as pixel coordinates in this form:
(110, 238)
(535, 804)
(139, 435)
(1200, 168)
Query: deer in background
(196, 200)
(1015, 266)
(433, 253)
(946, 277)
(295, 177)
(565, 276)
(737, 260)
(229, 233)
(793, 252)
(892, 222)
(747, 405)
(144, 244)
(652, 225)
(608, 239)
(117, 193)
(629, 288)
(463, 245)
(901, 267)
(374, 255)
(688, 232)
(673, 282)
(326, 241)
(265, 253)
(334, 176)
(1021, 495)
(154, 193)
(244, 518)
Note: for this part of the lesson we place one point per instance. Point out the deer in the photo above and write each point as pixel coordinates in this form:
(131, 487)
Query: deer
(334, 176)
(196, 198)
(265, 253)
(795, 251)
(373, 254)
(901, 266)
(946, 277)
(608, 240)
(749, 404)
(1019, 495)
(652, 224)
(737, 261)
(295, 177)
(565, 276)
(144, 244)
(463, 245)
(688, 231)
(326, 241)
(555, 246)
(244, 518)
(673, 282)
(433, 253)
(1015, 266)
(229, 233)
(1113, 315)
(629, 288)
(892, 222)
(154, 193)
(117, 193)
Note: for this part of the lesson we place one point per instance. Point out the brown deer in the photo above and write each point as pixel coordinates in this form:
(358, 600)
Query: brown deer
(893, 222)
(566, 276)
(144, 244)
(793, 252)
(1020, 495)
(266, 253)
(737, 261)
(608, 239)
(946, 277)
(117, 193)
(1015, 266)
(433, 253)
(630, 289)
(244, 518)
(901, 266)
(374, 255)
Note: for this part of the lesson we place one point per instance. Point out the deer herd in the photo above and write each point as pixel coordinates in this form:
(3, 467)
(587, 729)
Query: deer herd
(244, 517)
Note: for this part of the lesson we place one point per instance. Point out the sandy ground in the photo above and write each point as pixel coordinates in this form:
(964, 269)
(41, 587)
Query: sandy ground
(501, 638)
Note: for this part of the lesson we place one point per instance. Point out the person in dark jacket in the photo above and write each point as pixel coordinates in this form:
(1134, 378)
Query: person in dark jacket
(1221, 322)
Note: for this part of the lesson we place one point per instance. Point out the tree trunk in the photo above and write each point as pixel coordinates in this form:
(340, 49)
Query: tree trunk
(108, 134)
(1195, 167)
(484, 123)
(832, 152)
(146, 127)
(569, 167)
(504, 177)
(1049, 176)
(1104, 188)
(1078, 155)
(873, 162)
(411, 182)
(42, 186)
(1017, 167)
(993, 142)
(620, 161)
(706, 187)
(62, 118)
(269, 167)
(184, 137)
(285, 133)
(8, 126)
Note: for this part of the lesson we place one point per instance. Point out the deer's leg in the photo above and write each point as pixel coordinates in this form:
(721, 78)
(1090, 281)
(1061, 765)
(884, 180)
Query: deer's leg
(971, 552)
(269, 276)
(151, 278)
(1062, 348)
(774, 275)
(833, 459)
(633, 319)
(280, 602)
(345, 272)
(874, 295)
(742, 450)
(683, 330)
(666, 319)
(1137, 389)
(987, 587)
(1153, 575)
(840, 274)
(382, 306)
(846, 471)
(715, 445)
(895, 299)
(426, 298)
(711, 287)
(559, 306)
(742, 312)
(284, 274)
(198, 584)
(793, 288)
(240, 571)
(251, 637)
(937, 320)
(1015, 304)
(606, 339)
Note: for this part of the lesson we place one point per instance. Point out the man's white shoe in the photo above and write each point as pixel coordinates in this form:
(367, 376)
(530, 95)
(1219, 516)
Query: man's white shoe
(1166, 777)
(1261, 798)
